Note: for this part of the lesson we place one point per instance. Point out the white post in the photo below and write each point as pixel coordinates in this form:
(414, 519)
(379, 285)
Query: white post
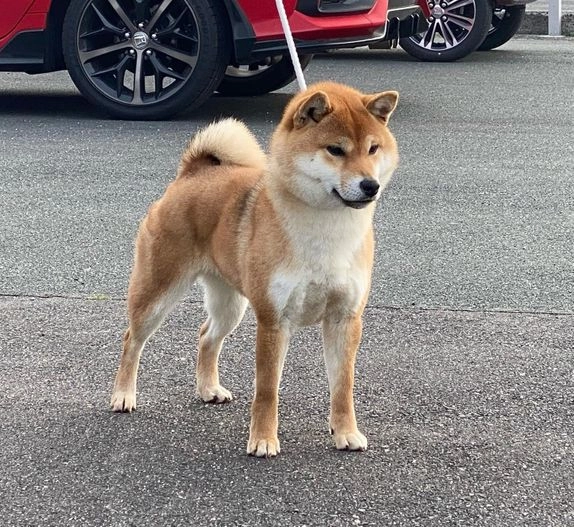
(555, 17)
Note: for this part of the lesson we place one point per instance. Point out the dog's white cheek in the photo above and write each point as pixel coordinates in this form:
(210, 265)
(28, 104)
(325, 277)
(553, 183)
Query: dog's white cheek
(315, 178)
(386, 167)
(351, 190)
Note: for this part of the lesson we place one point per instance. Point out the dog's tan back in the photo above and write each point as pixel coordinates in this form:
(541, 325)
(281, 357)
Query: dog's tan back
(291, 234)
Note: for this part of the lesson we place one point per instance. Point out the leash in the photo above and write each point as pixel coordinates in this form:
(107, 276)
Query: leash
(291, 45)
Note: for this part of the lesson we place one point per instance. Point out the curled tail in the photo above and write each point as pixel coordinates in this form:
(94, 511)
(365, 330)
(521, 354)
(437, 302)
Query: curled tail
(226, 142)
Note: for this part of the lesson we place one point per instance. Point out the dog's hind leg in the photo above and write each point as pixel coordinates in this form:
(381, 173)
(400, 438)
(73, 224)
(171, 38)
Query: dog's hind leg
(148, 305)
(225, 308)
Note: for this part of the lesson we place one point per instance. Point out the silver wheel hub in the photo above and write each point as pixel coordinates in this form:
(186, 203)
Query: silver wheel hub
(140, 40)
(437, 11)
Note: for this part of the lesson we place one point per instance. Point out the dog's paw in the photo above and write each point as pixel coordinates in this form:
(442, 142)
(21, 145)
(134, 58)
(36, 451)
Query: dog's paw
(123, 401)
(214, 394)
(350, 441)
(263, 447)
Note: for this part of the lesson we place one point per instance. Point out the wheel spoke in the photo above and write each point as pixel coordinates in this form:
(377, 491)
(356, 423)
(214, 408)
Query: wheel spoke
(461, 21)
(428, 38)
(449, 38)
(107, 26)
(139, 80)
(457, 4)
(95, 33)
(164, 71)
(178, 34)
(160, 73)
(119, 71)
(173, 27)
(122, 14)
(86, 56)
(160, 10)
(178, 55)
(112, 69)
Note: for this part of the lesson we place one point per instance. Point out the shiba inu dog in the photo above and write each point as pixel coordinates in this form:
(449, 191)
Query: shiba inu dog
(290, 233)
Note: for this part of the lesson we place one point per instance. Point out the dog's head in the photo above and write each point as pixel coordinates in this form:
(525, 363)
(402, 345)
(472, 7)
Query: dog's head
(333, 148)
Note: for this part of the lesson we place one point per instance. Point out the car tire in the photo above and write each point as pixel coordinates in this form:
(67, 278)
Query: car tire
(145, 60)
(456, 29)
(506, 21)
(260, 78)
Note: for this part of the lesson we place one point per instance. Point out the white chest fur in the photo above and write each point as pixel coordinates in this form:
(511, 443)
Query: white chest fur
(325, 273)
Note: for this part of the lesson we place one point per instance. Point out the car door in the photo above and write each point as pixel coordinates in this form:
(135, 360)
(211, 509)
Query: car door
(11, 12)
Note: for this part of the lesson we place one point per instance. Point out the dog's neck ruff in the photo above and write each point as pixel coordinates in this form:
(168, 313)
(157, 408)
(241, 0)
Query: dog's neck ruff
(322, 238)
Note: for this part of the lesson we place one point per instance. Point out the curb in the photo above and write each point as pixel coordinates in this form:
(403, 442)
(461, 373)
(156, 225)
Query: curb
(536, 23)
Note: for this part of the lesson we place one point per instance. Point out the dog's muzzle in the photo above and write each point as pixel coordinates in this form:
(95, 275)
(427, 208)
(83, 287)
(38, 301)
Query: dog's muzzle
(355, 204)
(369, 189)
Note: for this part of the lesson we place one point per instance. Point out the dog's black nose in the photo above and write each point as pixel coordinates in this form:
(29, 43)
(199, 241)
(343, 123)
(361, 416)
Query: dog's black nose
(370, 187)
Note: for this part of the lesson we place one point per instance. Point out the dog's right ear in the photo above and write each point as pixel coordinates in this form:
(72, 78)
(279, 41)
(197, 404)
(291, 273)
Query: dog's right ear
(382, 105)
(312, 109)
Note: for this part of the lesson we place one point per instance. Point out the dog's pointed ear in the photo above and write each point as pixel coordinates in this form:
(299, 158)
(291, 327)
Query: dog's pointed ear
(382, 105)
(312, 109)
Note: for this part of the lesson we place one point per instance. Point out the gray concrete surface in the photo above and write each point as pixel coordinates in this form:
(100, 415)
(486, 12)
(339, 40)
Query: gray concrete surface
(465, 376)
(536, 19)
(542, 6)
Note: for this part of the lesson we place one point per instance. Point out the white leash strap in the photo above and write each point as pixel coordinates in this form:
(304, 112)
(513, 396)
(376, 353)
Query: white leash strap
(291, 45)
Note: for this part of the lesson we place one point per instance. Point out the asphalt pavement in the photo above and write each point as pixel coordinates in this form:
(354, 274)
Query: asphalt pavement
(465, 376)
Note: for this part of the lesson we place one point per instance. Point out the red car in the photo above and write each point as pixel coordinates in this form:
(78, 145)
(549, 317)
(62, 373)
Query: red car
(148, 59)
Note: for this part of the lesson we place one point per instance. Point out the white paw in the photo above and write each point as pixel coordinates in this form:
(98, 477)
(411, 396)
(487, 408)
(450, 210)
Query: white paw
(123, 401)
(263, 447)
(350, 441)
(214, 394)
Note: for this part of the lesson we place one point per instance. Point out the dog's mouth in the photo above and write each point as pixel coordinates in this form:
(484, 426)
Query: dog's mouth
(357, 204)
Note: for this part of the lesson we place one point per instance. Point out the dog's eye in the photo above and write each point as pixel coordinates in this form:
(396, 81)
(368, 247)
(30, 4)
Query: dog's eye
(336, 151)
(373, 149)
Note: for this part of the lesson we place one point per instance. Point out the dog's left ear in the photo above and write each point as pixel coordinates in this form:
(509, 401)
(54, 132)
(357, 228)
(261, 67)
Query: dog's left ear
(312, 109)
(382, 105)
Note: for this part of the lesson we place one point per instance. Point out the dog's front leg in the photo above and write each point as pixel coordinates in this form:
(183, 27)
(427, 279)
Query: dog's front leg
(341, 340)
(269, 358)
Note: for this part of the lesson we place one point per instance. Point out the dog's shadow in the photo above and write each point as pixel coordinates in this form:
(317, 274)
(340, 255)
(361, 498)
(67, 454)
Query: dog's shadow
(262, 108)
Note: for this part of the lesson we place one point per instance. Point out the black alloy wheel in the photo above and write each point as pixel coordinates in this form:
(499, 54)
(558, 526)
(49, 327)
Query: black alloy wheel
(261, 77)
(506, 22)
(145, 59)
(456, 29)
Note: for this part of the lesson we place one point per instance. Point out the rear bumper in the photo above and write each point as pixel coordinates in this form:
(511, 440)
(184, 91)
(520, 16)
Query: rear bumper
(278, 47)
(403, 19)
(401, 24)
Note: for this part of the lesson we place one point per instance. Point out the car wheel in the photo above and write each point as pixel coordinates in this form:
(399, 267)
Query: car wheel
(456, 28)
(506, 21)
(145, 59)
(262, 77)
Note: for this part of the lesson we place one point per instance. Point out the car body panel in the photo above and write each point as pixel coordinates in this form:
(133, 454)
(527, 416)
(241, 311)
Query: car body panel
(267, 26)
(32, 15)
(12, 13)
